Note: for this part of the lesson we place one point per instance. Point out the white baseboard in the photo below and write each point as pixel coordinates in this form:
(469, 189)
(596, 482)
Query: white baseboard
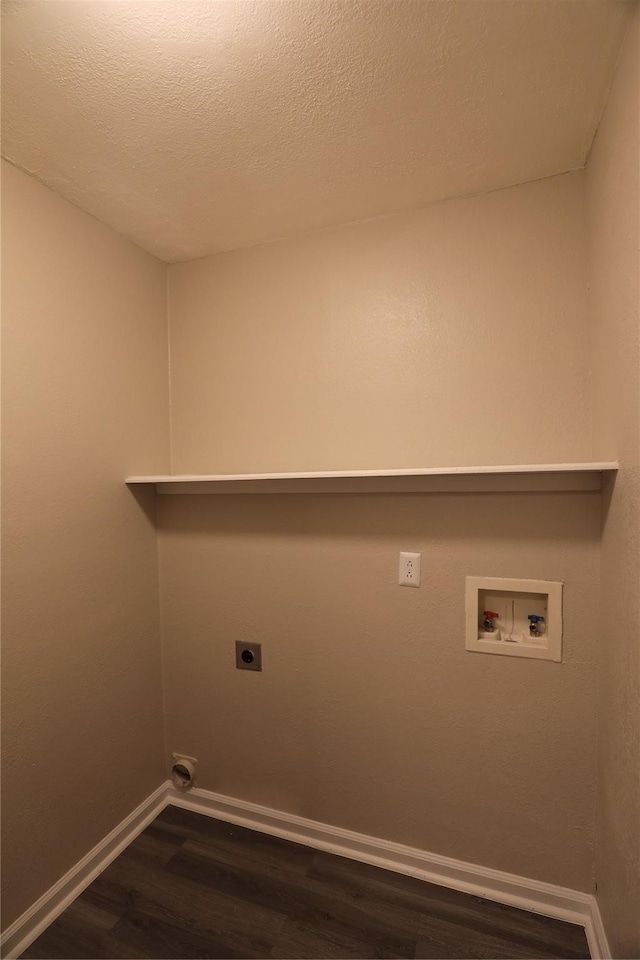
(534, 895)
(44, 911)
(596, 935)
(544, 898)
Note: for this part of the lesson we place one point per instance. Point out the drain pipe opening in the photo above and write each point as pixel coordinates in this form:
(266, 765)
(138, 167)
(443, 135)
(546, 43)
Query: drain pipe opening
(183, 773)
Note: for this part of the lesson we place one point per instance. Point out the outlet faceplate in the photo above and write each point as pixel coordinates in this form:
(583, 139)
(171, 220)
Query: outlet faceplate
(409, 570)
(248, 655)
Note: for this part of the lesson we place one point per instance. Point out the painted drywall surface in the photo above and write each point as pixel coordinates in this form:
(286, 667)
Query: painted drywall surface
(369, 713)
(194, 127)
(84, 404)
(451, 335)
(613, 202)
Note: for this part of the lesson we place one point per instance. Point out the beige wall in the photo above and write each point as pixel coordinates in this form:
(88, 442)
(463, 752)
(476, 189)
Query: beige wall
(84, 403)
(450, 335)
(613, 204)
(369, 714)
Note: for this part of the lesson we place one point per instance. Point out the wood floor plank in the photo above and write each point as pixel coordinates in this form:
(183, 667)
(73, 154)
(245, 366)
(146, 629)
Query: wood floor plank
(141, 937)
(232, 843)
(154, 846)
(77, 933)
(296, 897)
(450, 941)
(416, 904)
(85, 914)
(299, 941)
(193, 887)
(152, 892)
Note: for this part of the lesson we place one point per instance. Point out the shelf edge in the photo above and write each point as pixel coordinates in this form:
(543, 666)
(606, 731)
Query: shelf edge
(503, 470)
(518, 478)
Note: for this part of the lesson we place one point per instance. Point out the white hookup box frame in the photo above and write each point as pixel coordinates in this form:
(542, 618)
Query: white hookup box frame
(514, 601)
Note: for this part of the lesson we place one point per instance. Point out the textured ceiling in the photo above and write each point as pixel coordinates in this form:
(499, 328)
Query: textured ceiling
(194, 127)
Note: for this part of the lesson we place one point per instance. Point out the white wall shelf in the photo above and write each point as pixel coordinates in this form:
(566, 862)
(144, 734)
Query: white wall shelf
(495, 479)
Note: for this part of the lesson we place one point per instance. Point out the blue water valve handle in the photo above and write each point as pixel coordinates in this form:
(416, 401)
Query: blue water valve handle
(534, 620)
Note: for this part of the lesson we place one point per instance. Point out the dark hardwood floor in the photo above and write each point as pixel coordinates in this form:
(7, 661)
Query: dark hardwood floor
(190, 886)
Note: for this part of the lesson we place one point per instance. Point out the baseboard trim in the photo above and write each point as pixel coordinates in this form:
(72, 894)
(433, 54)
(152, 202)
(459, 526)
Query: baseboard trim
(44, 911)
(534, 895)
(596, 934)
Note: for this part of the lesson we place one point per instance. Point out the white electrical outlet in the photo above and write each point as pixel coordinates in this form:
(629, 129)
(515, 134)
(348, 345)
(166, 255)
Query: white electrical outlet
(409, 570)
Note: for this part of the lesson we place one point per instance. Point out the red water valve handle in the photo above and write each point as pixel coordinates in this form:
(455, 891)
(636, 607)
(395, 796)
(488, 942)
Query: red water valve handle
(491, 615)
